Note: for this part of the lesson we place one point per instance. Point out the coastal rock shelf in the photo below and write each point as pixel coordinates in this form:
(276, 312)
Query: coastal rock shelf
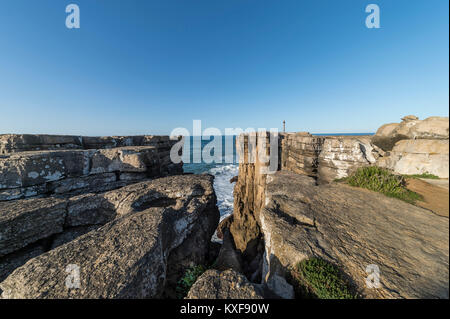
(104, 205)
(354, 228)
(300, 211)
(15, 143)
(151, 231)
(119, 211)
(43, 173)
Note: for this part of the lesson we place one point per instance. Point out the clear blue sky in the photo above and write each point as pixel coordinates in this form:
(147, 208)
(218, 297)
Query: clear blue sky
(146, 67)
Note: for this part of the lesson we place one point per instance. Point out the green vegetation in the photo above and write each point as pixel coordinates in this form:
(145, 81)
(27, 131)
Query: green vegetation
(383, 181)
(424, 175)
(317, 278)
(189, 278)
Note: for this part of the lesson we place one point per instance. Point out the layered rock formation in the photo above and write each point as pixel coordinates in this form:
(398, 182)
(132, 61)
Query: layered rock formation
(326, 157)
(152, 231)
(299, 212)
(43, 173)
(102, 207)
(14, 143)
(354, 228)
(415, 146)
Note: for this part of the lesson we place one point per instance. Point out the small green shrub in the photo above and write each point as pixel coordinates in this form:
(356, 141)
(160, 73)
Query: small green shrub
(383, 181)
(424, 175)
(189, 278)
(317, 278)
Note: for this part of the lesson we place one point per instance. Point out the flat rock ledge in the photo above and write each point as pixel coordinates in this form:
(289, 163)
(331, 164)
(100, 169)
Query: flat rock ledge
(153, 231)
(355, 228)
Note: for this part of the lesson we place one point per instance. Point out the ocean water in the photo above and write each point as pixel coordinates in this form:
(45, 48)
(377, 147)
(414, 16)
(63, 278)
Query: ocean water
(225, 168)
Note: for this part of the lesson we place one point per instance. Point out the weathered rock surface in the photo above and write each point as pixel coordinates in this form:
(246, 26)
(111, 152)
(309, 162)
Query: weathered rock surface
(159, 226)
(354, 228)
(13, 143)
(280, 219)
(326, 157)
(42, 172)
(415, 146)
(27, 221)
(17, 259)
(228, 257)
(419, 156)
(341, 156)
(411, 127)
(227, 284)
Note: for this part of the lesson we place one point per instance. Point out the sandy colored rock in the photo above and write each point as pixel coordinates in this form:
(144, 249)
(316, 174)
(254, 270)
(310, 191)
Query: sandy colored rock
(419, 156)
(435, 198)
(411, 127)
(341, 156)
(434, 127)
(409, 118)
(387, 129)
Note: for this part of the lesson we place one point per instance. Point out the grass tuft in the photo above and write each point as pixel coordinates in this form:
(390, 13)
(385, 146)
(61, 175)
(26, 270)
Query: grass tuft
(189, 278)
(423, 175)
(317, 278)
(383, 181)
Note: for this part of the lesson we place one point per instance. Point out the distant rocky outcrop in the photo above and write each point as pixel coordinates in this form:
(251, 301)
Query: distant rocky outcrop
(15, 143)
(78, 167)
(415, 146)
(151, 232)
(434, 128)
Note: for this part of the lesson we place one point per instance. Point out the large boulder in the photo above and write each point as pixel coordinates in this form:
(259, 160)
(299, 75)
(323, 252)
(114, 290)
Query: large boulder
(227, 284)
(411, 127)
(418, 156)
(354, 228)
(434, 127)
(155, 230)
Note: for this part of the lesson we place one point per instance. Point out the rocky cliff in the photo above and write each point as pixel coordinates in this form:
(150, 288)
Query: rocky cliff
(326, 157)
(103, 208)
(300, 212)
(79, 167)
(144, 236)
(354, 228)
